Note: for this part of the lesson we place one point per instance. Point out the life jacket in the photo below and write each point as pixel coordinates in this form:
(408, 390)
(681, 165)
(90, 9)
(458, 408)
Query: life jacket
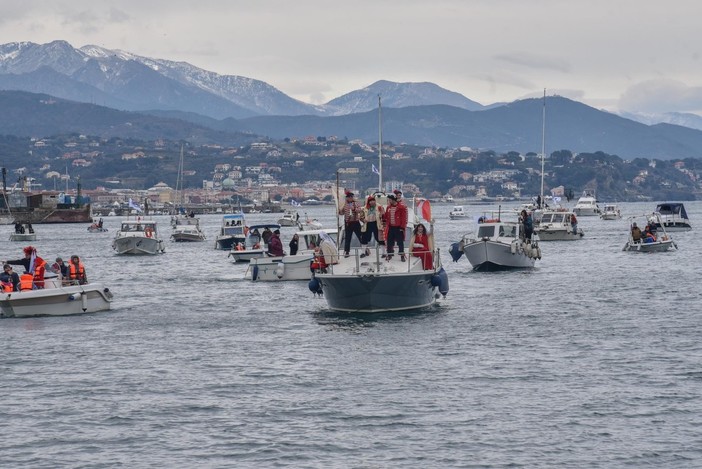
(149, 232)
(39, 269)
(8, 287)
(26, 282)
(76, 273)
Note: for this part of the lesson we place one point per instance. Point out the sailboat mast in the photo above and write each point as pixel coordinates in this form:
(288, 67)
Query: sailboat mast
(543, 146)
(380, 146)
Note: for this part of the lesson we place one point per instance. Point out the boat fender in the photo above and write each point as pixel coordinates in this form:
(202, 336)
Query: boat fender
(443, 281)
(534, 252)
(108, 293)
(280, 270)
(74, 296)
(513, 248)
(254, 272)
(315, 286)
(455, 251)
(84, 302)
(538, 252)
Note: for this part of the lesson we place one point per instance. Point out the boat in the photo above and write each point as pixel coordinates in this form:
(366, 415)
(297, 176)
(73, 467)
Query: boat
(187, 229)
(231, 231)
(499, 245)
(556, 225)
(659, 242)
(587, 205)
(457, 213)
(673, 217)
(310, 223)
(23, 232)
(365, 281)
(55, 299)
(290, 218)
(96, 227)
(138, 236)
(253, 245)
(297, 267)
(610, 212)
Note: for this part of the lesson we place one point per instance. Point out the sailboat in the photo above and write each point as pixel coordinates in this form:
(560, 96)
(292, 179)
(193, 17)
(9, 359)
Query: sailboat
(554, 223)
(186, 227)
(366, 281)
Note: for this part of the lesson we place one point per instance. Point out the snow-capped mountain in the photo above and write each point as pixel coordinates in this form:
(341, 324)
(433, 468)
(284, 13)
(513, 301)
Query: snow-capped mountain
(684, 119)
(398, 95)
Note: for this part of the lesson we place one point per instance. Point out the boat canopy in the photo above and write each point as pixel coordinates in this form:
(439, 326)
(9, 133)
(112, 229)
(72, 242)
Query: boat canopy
(270, 226)
(672, 209)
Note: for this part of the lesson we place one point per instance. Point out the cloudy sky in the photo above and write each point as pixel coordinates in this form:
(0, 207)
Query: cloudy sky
(634, 55)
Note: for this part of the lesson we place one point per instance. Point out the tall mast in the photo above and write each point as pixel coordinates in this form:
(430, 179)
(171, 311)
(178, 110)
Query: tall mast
(543, 146)
(380, 146)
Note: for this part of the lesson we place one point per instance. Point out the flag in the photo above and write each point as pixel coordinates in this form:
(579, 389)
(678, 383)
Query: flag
(375, 170)
(295, 203)
(424, 209)
(134, 205)
(556, 199)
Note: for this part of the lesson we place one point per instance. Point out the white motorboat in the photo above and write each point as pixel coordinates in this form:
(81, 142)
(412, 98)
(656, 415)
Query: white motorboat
(55, 300)
(658, 241)
(255, 243)
(499, 245)
(231, 232)
(557, 225)
(138, 236)
(457, 213)
(297, 267)
(23, 232)
(310, 223)
(289, 218)
(610, 212)
(673, 217)
(187, 229)
(587, 205)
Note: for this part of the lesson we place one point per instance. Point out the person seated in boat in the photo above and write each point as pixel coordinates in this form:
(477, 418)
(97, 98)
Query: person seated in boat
(100, 223)
(60, 268)
(636, 233)
(30, 229)
(9, 279)
(420, 246)
(275, 246)
(266, 235)
(33, 264)
(18, 228)
(76, 271)
(239, 247)
(649, 236)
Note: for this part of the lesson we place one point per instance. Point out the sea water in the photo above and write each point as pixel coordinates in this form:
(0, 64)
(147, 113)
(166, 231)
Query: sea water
(592, 359)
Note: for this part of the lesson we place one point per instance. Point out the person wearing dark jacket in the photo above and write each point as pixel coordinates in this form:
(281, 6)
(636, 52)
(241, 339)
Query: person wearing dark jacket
(9, 279)
(294, 244)
(275, 246)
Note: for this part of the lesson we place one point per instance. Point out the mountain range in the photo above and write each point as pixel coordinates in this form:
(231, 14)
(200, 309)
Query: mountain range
(170, 99)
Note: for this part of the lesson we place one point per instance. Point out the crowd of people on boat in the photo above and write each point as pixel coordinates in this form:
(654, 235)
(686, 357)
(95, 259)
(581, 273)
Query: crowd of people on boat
(34, 270)
(648, 235)
(22, 229)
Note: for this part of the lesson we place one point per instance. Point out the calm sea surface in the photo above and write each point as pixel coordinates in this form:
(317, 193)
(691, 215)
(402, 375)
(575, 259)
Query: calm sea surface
(593, 359)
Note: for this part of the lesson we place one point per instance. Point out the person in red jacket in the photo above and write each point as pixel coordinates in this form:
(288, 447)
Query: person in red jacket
(396, 221)
(32, 264)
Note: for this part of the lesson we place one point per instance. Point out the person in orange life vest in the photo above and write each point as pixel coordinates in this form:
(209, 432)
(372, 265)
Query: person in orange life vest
(76, 271)
(396, 220)
(352, 225)
(373, 217)
(9, 279)
(419, 247)
(32, 264)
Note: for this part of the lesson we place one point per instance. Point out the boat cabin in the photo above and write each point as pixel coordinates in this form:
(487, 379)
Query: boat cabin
(233, 225)
(498, 229)
(138, 225)
(556, 218)
(255, 234)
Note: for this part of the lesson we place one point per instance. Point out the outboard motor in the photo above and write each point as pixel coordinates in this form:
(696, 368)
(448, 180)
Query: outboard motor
(456, 251)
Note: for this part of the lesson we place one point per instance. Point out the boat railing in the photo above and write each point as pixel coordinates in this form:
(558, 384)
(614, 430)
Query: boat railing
(378, 260)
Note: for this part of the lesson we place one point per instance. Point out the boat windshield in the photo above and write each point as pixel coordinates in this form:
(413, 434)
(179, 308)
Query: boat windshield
(486, 231)
(508, 231)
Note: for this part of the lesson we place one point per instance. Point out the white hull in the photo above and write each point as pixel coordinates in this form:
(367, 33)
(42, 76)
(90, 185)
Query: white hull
(676, 226)
(138, 245)
(457, 217)
(586, 211)
(657, 246)
(62, 301)
(23, 236)
(558, 234)
(494, 255)
(274, 269)
(189, 237)
(246, 255)
(610, 216)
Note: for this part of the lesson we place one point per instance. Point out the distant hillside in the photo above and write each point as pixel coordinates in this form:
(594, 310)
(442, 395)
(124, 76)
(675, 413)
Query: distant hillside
(40, 115)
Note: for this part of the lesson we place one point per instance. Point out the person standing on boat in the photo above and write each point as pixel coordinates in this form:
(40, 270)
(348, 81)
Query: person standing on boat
(275, 246)
(9, 279)
(33, 264)
(352, 225)
(574, 223)
(420, 246)
(294, 244)
(76, 271)
(266, 235)
(372, 215)
(527, 225)
(636, 233)
(396, 220)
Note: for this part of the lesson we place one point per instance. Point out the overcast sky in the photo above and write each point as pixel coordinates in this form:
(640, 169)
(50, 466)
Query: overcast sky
(636, 55)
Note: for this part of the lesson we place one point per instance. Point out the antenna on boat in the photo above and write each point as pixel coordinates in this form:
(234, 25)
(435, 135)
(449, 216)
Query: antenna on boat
(543, 146)
(380, 145)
